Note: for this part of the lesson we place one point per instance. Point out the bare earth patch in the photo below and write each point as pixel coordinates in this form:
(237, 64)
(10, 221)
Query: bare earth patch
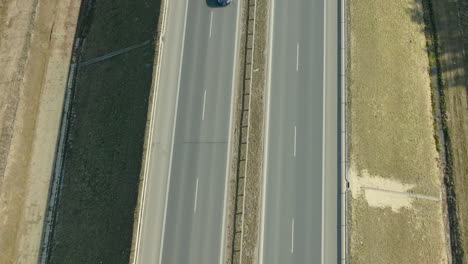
(35, 48)
(396, 215)
(369, 186)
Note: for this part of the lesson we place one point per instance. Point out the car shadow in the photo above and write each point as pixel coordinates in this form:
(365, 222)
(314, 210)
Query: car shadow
(213, 3)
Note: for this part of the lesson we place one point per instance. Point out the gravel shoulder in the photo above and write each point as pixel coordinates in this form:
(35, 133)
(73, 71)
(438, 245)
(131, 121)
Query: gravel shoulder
(35, 49)
(392, 143)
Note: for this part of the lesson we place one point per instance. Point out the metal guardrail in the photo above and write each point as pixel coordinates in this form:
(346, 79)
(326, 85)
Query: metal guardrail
(244, 127)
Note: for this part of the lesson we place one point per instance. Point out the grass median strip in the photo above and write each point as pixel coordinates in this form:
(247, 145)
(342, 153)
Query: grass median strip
(247, 240)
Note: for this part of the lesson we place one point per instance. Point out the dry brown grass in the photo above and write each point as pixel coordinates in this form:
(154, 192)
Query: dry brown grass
(35, 46)
(391, 137)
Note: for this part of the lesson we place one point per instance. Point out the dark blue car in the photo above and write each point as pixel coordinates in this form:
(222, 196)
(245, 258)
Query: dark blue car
(224, 2)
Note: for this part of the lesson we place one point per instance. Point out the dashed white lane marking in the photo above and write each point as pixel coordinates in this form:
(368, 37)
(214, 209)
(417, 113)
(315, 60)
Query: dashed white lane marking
(292, 236)
(295, 139)
(196, 195)
(211, 21)
(297, 57)
(204, 102)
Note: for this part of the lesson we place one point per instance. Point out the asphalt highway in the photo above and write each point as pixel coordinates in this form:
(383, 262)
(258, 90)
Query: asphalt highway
(300, 221)
(184, 201)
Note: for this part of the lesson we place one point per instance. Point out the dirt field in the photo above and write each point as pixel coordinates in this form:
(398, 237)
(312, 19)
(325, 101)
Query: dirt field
(396, 205)
(450, 18)
(35, 46)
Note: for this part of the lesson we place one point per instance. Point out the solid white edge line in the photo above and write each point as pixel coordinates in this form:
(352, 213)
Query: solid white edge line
(297, 57)
(150, 134)
(344, 148)
(229, 148)
(323, 127)
(211, 21)
(292, 236)
(266, 127)
(145, 170)
(173, 136)
(204, 102)
(196, 196)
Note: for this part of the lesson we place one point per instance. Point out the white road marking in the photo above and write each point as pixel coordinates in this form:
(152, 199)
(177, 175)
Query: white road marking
(173, 136)
(292, 236)
(204, 102)
(323, 127)
(196, 195)
(295, 139)
(211, 21)
(297, 57)
(267, 132)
